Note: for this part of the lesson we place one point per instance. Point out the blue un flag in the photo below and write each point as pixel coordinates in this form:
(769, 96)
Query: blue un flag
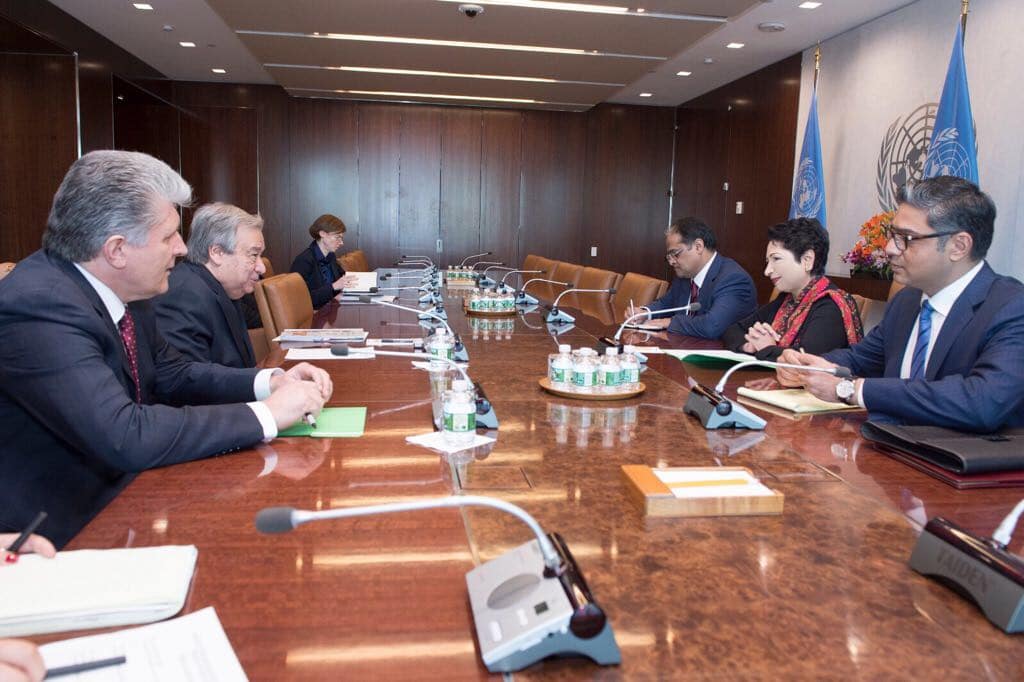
(809, 186)
(952, 150)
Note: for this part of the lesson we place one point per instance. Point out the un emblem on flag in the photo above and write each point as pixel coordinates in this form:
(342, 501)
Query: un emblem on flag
(806, 196)
(948, 156)
(903, 153)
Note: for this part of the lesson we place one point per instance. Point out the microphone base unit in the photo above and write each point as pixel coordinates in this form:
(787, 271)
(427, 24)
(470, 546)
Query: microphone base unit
(429, 315)
(523, 613)
(556, 316)
(715, 411)
(522, 298)
(485, 416)
(978, 569)
(460, 354)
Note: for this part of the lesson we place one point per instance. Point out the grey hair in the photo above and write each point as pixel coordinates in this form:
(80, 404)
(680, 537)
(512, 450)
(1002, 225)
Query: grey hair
(217, 225)
(952, 205)
(107, 193)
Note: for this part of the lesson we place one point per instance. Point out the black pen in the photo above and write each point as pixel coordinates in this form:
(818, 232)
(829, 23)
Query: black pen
(25, 534)
(83, 667)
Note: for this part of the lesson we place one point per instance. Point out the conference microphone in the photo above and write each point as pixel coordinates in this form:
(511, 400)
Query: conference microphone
(614, 340)
(476, 255)
(487, 281)
(520, 272)
(412, 258)
(523, 298)
(485, 415)
(556, 316)
(400, 263)
(715, 411)
(460, 348)
(533, 596)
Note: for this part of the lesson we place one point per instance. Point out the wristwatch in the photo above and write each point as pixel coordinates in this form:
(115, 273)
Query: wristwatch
(846, 389)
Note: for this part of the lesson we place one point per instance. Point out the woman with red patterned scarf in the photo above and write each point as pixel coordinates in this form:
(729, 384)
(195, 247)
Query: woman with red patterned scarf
(810, 312)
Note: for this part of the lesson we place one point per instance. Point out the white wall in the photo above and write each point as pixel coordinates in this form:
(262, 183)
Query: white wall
(885, 69)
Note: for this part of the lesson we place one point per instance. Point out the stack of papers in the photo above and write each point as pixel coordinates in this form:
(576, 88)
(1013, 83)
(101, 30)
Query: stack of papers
(354, 299)
(705, 482)
(193, 647)
(94, 588)
(795, 400)
(323, 335)
(367, 281)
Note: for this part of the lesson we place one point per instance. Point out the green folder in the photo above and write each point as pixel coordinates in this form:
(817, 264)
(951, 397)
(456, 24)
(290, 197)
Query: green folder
(332, 422)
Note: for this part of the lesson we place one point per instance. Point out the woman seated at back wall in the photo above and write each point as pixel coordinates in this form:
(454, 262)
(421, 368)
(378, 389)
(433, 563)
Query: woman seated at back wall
(318, 264)
(810, 312)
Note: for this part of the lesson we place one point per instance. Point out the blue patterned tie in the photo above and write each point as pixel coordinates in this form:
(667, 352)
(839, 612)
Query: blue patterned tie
(924, 332)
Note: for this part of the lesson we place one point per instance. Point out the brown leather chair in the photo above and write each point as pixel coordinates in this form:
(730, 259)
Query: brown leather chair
(662, 288)
(569, 273)
(894, 289)
(871, 311)
(260, 343)
(284, 303)
(635, 287)
(532, 262)
(6, 269)
(354, 261)
(595, 305)
(268, 266)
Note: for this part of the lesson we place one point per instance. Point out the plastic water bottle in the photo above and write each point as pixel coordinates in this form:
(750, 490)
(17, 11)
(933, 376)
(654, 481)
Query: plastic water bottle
(609, 373)
(630, 369)
(584, 372)
(440, 346)
(560, 366)
(459, 414)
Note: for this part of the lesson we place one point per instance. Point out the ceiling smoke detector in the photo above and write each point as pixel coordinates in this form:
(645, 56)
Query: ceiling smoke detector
(771, 27)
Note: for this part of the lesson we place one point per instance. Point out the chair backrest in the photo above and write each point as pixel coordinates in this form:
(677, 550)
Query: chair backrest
(871, 311)
(260, 343)
(354, 261)
(635, 287)
(268, 266)
(595, 305)
(545, 265)
(894, 289)
(6, 269)
(662, 288)
(563, 272)
(774, 295)
(284, 303)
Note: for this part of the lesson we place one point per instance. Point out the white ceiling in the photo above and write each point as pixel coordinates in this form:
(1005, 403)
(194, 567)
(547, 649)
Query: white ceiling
(622, 55)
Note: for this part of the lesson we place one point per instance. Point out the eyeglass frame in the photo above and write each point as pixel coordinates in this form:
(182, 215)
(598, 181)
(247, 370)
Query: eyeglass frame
(674, 253)
(907, 239)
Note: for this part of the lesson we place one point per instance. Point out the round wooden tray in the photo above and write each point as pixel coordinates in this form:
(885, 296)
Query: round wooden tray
(545, 383)
(488, 313)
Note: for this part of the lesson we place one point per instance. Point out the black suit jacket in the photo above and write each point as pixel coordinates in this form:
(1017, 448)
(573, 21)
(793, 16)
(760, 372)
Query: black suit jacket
(71, 434)
(200, 321)
(728, 295)
(306, 264)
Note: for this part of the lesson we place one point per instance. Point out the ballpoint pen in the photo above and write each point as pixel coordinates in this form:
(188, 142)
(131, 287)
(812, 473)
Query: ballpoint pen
(12, 550)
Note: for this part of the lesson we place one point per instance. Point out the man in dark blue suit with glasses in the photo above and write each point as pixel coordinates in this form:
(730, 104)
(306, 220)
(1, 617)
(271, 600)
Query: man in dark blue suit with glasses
(950, 350)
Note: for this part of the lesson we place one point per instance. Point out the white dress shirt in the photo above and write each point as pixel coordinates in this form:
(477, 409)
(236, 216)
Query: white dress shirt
(261, 384)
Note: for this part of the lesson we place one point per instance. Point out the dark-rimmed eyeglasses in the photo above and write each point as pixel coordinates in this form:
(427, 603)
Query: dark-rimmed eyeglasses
(902, 240)
(674, 253)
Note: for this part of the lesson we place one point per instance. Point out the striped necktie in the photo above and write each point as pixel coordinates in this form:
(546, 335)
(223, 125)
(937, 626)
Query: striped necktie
(127, 328)
(924, 332)
(694, 290)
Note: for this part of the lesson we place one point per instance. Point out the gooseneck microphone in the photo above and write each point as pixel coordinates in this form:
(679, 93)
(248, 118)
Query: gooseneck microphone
(524, 298)
(460, 348)
(520, 273)
(715, 411)
(476, 255)
(423, 258)
(558, 316)
(487, 281)
(486, 262)
(614, 340)
(539, 581)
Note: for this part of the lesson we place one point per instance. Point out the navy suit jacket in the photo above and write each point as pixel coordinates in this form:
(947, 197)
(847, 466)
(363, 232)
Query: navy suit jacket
(71, 434)
(975, 373)
(200, 321)
(728, 295)
(306, 264)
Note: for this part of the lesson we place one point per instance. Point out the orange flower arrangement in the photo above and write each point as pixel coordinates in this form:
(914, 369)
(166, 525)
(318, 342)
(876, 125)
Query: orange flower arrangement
(868, 253)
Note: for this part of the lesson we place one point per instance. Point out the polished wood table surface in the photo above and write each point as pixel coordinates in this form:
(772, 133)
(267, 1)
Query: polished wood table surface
(822, 591)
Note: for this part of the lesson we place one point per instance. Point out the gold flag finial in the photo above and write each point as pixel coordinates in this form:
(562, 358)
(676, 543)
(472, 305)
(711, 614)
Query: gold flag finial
(817, 63)
(963, 15)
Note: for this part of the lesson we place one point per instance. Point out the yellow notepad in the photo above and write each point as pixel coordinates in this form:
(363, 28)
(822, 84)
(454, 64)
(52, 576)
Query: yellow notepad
(796, 400)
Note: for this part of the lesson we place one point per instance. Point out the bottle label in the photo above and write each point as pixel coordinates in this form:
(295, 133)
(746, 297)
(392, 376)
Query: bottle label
(611, 378)
(584, 379)
(558, 375)
(459, 422)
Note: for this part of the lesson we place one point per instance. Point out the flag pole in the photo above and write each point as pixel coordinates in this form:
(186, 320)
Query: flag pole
(817, 61)
(963, 17)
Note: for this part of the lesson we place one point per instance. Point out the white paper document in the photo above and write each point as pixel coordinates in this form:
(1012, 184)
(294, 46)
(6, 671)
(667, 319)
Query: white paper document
(435, 441)
(193, 647)
(322, 354)
(354, 299)
(322, 335)
(367, 281)
(92, 588)
(703, 482)
(710, 354)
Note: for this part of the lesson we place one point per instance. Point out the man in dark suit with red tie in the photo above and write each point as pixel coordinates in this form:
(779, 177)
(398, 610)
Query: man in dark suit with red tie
(722, 287)
(200, 314)
(87, 381)
(950, 349)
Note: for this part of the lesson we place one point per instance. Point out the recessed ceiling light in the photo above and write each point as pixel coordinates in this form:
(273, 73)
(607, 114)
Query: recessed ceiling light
(441, 74)
(186, 43)
(597, 9)
(684, 73)
(446, 43)
(735, 46)
(646, 94)
(434, 95)
(809, 5)
(219, 70)
(142, 5)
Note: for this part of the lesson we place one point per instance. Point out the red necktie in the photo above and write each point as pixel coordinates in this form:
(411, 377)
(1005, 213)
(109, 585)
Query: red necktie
(693, 295)
(127, 328)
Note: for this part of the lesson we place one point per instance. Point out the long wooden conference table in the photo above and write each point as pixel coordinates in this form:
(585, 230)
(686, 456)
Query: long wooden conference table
(822, 591)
